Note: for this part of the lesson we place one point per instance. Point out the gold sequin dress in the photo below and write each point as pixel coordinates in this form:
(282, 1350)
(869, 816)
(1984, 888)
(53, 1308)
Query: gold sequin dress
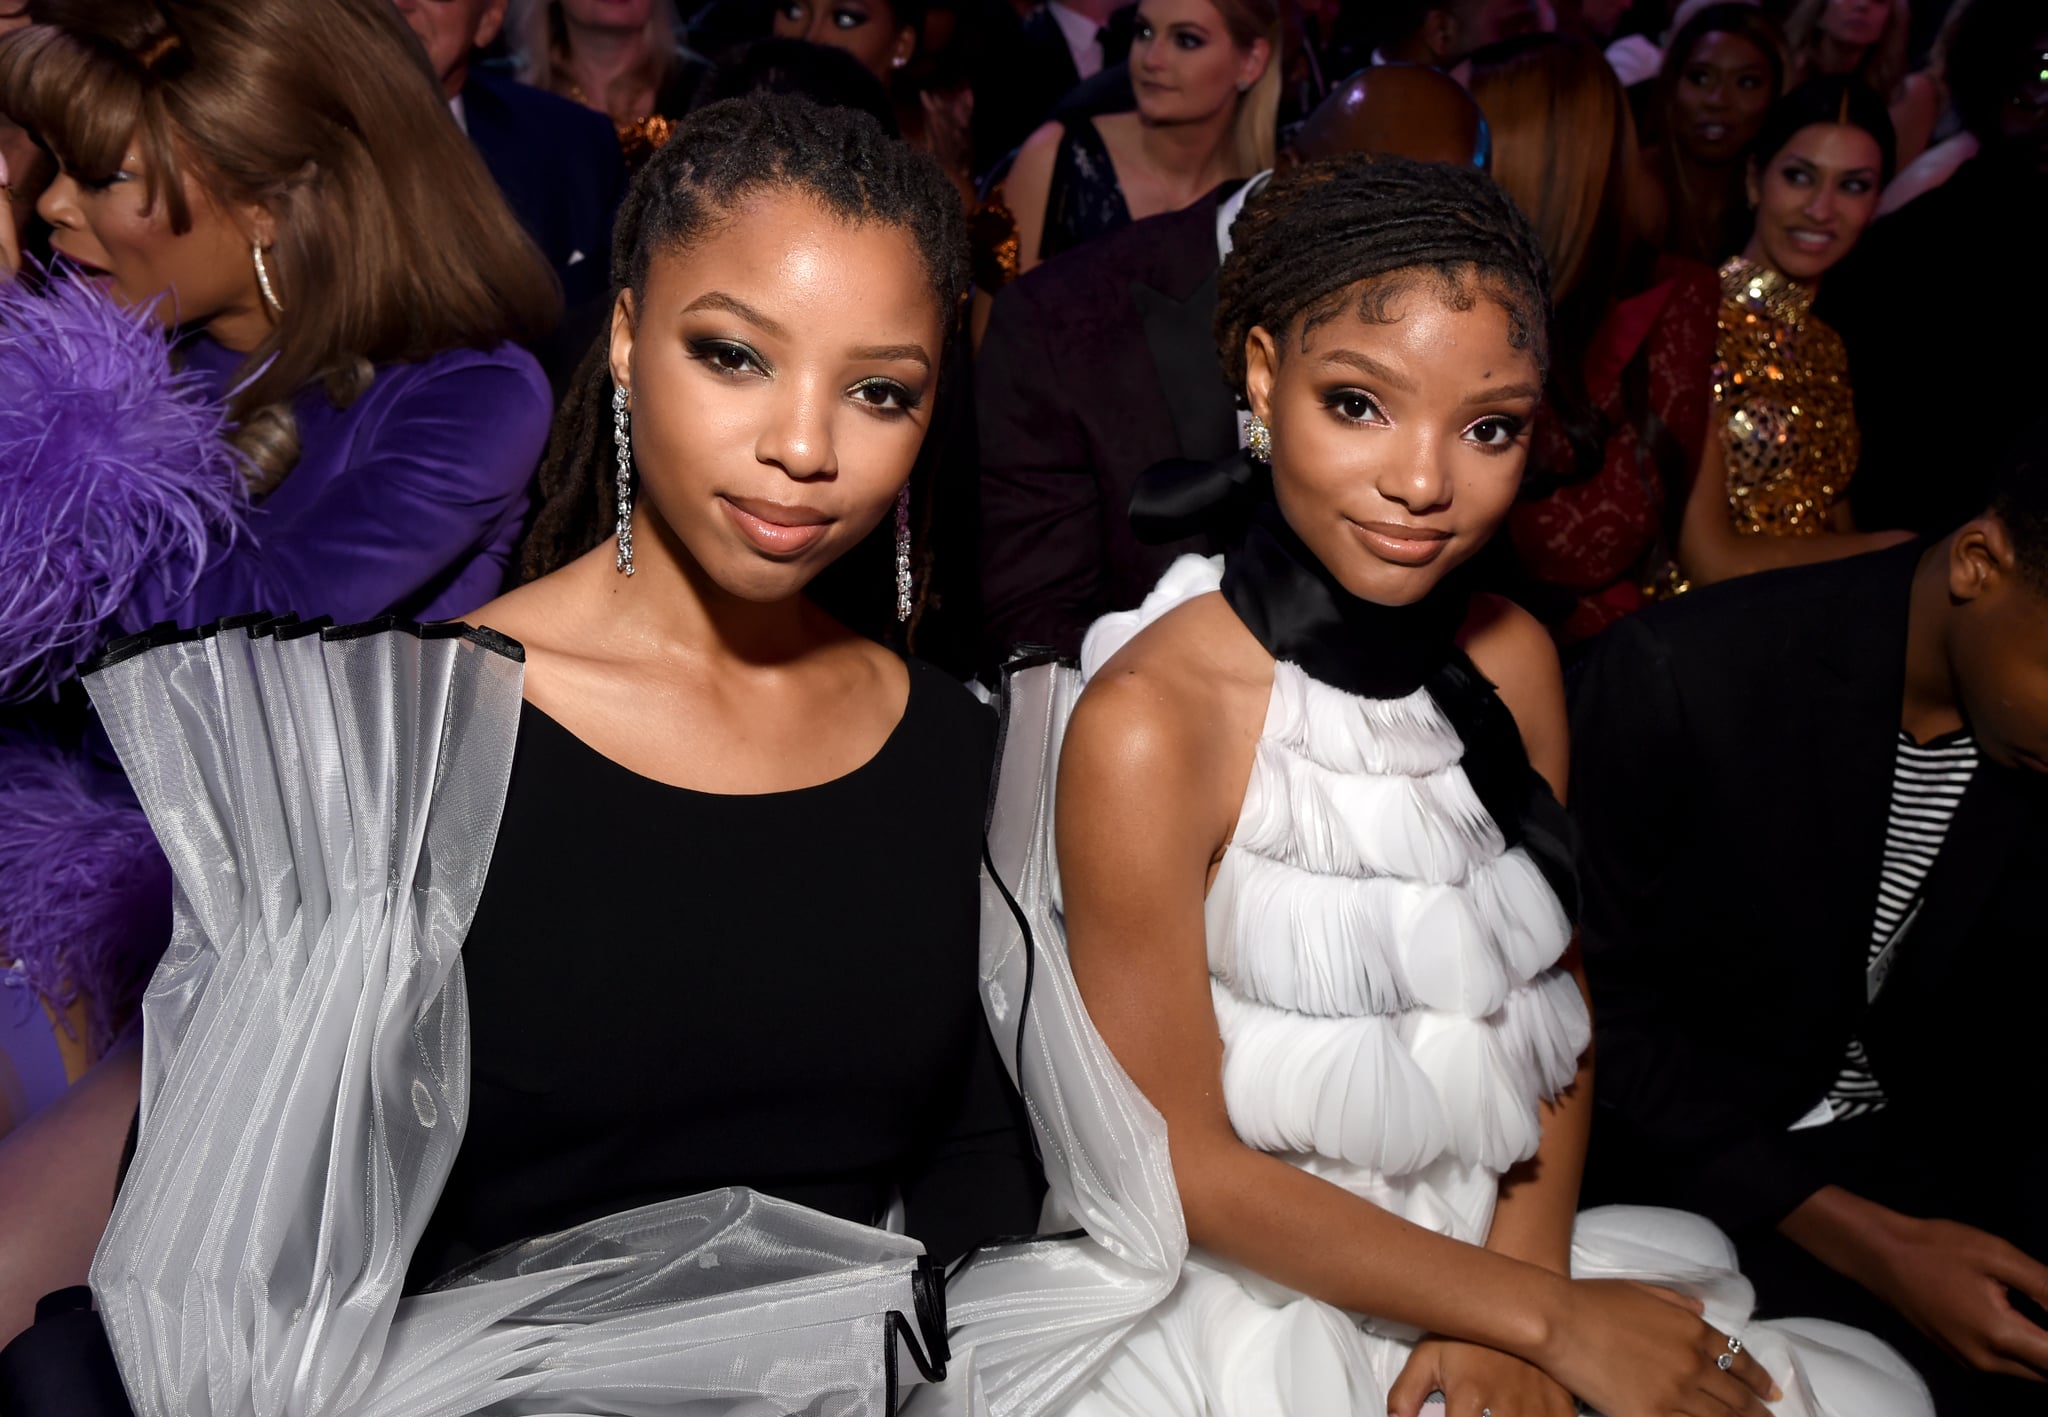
(1781, 387)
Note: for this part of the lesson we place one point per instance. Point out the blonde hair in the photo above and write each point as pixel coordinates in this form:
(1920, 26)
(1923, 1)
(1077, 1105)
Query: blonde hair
(392, 242)
(1884, 66)
(1254, 132)
(541, 34)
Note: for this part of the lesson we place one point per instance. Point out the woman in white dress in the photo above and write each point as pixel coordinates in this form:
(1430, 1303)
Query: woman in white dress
(1317, 886)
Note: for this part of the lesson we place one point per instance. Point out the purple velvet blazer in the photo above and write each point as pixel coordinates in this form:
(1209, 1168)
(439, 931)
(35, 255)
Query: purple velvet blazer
(410, 501)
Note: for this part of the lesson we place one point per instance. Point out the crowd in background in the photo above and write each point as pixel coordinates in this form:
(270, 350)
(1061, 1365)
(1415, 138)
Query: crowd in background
(1795, 258)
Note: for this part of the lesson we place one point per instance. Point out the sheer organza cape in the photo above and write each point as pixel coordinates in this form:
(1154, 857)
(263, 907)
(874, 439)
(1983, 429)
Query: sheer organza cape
(328, 799)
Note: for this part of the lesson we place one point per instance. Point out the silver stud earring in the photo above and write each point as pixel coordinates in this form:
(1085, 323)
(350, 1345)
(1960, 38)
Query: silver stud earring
(263, 279)
(1258, 438)
(623, 441)
(903, 554)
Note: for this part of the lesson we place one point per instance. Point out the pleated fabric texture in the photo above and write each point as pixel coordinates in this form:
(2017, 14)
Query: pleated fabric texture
(1031, 1321)
(328, 800)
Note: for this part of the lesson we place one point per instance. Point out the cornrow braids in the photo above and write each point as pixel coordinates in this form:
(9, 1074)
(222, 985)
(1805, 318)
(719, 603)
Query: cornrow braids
(717, 157)
(1303, 248)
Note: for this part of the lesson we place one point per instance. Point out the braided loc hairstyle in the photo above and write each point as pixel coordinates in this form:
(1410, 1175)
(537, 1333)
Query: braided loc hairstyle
(719, 156)
(1303, 248)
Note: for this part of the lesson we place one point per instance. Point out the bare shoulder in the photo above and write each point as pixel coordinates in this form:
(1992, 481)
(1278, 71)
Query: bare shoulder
(1172, 718)
(1031, 169)
(548, 616)
(1513, 650)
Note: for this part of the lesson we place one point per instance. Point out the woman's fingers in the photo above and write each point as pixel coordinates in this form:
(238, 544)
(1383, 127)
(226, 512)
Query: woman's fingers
(1417, 1381)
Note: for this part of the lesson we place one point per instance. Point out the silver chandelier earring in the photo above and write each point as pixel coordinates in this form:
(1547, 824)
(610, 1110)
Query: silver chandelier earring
(623, 441)
(1258, 438)
(263, 279)
(903, 554)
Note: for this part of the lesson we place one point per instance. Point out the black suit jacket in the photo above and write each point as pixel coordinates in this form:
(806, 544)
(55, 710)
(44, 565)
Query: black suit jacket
(1096, 365)
(559, 167)
(1733, 756)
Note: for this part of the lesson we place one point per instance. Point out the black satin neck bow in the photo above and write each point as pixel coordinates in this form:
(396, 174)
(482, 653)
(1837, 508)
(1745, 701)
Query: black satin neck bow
(1303, 615)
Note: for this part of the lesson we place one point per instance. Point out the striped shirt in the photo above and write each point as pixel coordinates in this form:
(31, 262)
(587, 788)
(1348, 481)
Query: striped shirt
(1928, 781)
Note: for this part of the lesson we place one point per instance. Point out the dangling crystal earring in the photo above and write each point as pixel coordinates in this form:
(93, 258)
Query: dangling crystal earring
(1258, 438)
(624, 442)
(903, 554)
(263, 279)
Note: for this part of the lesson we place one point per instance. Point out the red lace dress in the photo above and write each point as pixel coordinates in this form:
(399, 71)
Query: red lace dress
(1595, 538)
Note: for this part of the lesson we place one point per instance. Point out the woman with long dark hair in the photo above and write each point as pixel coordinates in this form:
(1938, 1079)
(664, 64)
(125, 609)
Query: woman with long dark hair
(757, 833)
(1625, 410)
(1313, 875)
(1772, 489)
(1723, 70)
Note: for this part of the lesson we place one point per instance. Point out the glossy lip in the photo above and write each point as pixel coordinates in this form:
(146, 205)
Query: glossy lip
(1401, 544)
(775, 529)
(85, 267)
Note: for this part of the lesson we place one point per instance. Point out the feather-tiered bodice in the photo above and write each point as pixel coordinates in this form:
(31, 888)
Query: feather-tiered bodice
(1383, 963)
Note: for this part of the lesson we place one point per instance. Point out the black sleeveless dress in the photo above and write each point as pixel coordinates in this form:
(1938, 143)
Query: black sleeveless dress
(672, 991)
(1085, 200)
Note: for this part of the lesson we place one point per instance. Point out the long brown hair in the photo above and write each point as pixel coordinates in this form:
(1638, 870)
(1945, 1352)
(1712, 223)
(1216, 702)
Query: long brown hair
(1564, 147)
(1885, 64)
(392, 242)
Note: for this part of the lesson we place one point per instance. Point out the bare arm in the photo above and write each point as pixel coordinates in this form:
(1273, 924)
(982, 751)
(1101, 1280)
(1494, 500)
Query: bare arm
(1028, 188)
(1150, 781)
(1948, 1280)
(1710, 549)
(1533, 1220)
(57, 1172)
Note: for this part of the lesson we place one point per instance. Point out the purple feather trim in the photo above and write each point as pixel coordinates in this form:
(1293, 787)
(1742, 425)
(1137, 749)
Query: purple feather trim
(86, 904)
(115, 475)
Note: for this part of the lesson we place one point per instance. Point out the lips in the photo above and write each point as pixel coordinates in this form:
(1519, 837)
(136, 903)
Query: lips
(1810, 241)
(1712, 132)
(1400, 543)
(776, 529)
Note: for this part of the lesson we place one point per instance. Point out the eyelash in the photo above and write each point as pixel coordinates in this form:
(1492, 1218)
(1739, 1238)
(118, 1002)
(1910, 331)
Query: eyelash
(1336, 400)
(712, 351)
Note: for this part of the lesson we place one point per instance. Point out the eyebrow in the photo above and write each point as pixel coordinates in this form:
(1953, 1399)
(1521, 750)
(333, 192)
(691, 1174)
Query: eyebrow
(719, 300)
(1502, 394)
(915, 353)
(1365, 363)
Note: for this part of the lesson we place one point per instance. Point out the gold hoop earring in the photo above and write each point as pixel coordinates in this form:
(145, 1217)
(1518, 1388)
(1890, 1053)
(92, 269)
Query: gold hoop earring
(263, 280)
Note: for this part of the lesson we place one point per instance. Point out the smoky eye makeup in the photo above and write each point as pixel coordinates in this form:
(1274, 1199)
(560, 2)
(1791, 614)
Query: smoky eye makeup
(726, 356)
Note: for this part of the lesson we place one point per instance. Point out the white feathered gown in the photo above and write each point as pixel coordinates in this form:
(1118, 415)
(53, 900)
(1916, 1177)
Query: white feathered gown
(1385, 978)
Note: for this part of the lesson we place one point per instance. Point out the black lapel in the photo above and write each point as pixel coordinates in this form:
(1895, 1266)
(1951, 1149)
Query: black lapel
(1181, 337)
(1854, 711)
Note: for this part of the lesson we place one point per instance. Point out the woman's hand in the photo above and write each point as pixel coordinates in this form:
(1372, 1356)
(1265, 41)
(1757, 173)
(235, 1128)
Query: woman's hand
(1632, 1350)
(1476, 1380)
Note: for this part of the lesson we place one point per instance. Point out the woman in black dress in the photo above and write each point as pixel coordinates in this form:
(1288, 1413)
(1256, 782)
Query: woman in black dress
(714, 1027)
(776, 820)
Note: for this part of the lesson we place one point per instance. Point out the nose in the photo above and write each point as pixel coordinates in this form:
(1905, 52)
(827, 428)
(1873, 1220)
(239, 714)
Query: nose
(798, 434)
(1418, 478)
(59, 203)
(1821, 205)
